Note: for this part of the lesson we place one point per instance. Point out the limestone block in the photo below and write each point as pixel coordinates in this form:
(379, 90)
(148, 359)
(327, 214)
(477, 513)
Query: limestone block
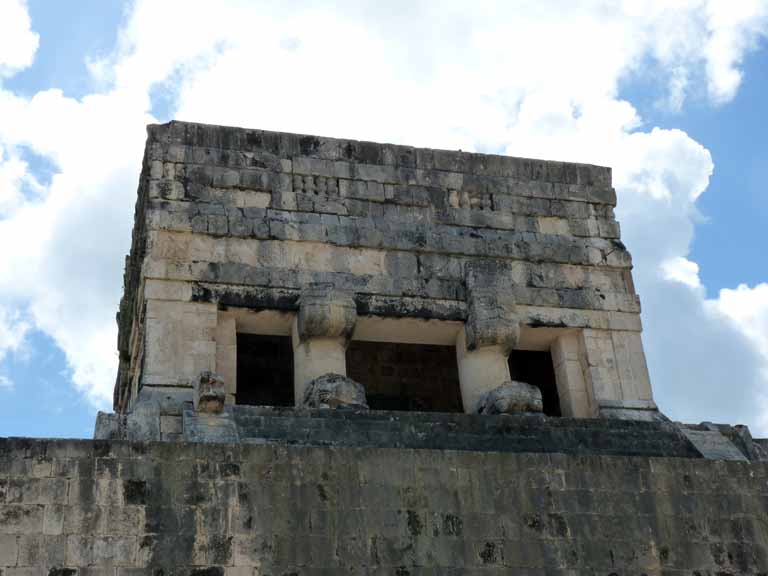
(631, 365)
(8, 550)
(314, 357)
(326, 312)
(109, 426)
(143, 422)
(480, 371)
(491, 319)
(209, 428)
(334, 391)
(226, 353)
(209, 393)
(179, 342)
(512, 397)
(573, 389)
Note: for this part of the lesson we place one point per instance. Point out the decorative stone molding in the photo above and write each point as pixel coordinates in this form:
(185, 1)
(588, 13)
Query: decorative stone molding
(512, 397)
(335, 391)
(209, 393)
(326, 312)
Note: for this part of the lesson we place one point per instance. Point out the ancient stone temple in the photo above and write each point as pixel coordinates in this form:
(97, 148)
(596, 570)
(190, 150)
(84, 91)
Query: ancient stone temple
(343, 357)
(431, 278)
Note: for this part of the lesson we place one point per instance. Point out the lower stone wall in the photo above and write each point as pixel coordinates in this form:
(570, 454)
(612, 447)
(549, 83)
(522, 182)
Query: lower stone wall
(99, 507)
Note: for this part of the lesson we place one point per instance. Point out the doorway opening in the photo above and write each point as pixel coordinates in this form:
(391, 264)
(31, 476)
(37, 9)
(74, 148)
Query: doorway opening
(264, 370)
(407, 377)
(536, 368)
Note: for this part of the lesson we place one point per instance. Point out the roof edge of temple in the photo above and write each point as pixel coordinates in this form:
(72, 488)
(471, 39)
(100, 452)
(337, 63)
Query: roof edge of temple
(377, 153)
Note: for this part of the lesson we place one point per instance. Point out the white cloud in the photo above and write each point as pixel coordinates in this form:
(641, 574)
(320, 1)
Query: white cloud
(529, 78)
(680, 269)
(18, 43)
(735, 27)
(6, 383)
(13, 330)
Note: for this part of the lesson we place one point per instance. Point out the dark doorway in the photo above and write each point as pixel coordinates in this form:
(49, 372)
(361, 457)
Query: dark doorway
(536, 368)
(411, 377)
(264, 370)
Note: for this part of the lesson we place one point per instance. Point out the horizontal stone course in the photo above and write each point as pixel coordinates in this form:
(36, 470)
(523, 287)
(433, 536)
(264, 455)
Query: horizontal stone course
(278, 508)
(171, 141)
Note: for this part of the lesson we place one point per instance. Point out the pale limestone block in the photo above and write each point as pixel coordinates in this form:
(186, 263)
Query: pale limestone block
(226, 353)
(176, 153)
(565, 348)
(167, 290)
(9, 550)
(631, 365)
(193, 251)
(480, 371)
(553, 225)
(249, 199)
(574, 390)
(604, 382)
(171, 170)
(178, 341)
(156, 170)
(314, 357)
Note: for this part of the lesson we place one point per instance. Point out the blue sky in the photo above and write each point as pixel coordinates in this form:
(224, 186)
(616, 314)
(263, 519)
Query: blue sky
(672, 98)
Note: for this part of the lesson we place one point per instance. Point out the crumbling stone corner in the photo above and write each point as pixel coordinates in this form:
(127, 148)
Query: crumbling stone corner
(320, 334)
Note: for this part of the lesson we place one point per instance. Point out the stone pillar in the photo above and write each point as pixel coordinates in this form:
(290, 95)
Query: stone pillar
(576, 396)
(615, 371)
(226, 354)
(483, 345)
(320, 333)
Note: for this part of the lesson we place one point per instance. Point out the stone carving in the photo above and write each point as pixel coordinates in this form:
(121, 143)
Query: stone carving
(209, 393)
(512, 397)
(315, 185)
(335, 391)
(326, 312)
(491, 320)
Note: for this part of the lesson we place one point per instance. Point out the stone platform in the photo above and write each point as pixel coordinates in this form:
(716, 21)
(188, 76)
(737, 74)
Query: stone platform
(532, 433)
(118, 508)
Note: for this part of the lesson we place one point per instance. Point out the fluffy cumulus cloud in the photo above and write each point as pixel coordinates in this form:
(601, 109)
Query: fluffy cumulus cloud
(531, 78)
(18, 43)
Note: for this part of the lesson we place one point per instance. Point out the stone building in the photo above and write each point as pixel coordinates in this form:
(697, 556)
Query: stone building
(342, 357)
(430, 277)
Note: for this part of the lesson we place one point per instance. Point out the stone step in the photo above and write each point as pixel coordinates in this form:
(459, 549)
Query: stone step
(425, 430)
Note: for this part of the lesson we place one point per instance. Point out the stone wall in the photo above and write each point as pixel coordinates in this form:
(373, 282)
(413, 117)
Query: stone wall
(96, 507)
(236, 219)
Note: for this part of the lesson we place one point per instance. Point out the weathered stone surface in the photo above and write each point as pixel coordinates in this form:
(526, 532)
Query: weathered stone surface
(329, 228)
(335, 391)
(216, 509)
(326, 311)
(109, 426)
(511, 398)
(491, 320)
(209, 393)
